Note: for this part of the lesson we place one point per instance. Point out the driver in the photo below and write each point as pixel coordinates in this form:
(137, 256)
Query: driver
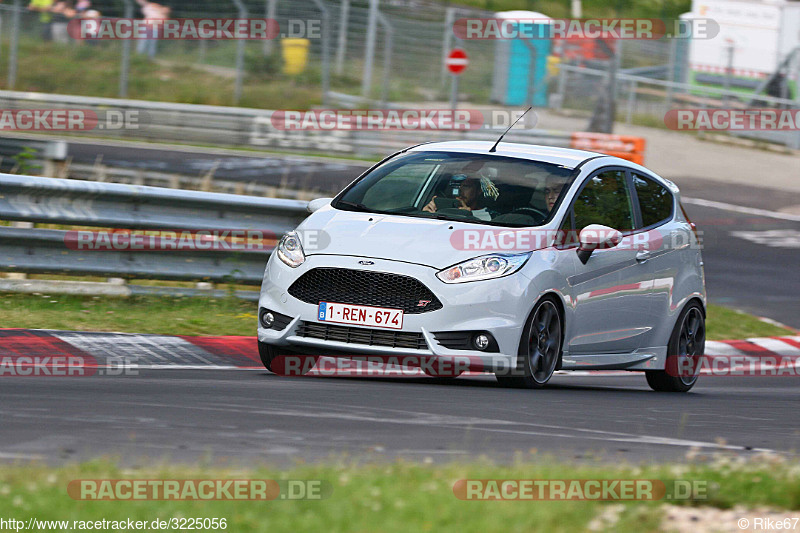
(475, 193)
(470, 197)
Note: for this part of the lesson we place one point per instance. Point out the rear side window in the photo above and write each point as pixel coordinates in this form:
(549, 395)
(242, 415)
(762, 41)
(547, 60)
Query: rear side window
(604, 200)
(655, 201)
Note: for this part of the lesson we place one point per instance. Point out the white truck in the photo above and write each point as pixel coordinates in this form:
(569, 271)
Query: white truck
(759, 39)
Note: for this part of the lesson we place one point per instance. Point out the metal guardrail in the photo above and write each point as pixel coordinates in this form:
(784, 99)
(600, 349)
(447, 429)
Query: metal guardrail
(112, 205)
(252, 128)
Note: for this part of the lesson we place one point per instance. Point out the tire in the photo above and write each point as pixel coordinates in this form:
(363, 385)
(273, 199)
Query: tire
(269, 358)
(540, 348)
(688, 339)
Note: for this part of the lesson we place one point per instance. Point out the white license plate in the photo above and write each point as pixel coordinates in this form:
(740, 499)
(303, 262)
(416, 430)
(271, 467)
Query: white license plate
(362, 315)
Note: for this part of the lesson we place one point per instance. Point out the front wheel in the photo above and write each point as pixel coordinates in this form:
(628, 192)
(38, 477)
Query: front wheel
(540, 348)
(686, 346)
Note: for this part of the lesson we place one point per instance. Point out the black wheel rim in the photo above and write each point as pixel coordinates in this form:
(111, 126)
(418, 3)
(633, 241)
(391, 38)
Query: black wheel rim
(544, 343)
(691, 342)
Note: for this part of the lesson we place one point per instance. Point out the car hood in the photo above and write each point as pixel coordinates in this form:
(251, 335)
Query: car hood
(428, 242)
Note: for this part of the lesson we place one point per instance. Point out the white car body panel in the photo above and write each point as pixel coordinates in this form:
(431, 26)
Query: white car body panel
(618, 312)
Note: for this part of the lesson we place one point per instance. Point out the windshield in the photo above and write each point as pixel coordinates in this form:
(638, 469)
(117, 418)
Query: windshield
(482, 189)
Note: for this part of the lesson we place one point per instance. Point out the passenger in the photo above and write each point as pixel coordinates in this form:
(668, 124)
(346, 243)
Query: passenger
(552, 190)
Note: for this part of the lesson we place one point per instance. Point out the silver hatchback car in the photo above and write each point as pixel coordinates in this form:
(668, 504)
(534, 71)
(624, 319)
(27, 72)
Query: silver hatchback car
(520, 261)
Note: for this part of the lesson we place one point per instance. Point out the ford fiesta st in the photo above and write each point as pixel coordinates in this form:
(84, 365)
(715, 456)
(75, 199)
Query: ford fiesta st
(521, 259)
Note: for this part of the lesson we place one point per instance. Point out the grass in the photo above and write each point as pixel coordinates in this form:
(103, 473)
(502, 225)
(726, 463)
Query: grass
(399, 496)
(136, 314)
(230, 316)
(94, 71)
(725, 323)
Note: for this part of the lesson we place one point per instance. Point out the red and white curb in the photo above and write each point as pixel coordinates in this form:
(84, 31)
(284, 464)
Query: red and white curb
(241, 353)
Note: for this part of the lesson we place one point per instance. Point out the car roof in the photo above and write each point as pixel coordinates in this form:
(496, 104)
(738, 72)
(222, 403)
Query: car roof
(565, 157)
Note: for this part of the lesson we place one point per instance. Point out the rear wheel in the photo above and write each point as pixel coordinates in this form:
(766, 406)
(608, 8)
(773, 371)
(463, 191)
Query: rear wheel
(284, 362)
(688, 341)
(540, 348)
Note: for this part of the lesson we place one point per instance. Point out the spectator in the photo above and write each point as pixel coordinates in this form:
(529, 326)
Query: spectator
(151, 11)
(43, 7)
(62, 13)
(89, 14)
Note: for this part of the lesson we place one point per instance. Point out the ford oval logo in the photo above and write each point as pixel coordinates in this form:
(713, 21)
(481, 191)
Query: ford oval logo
(366, 262)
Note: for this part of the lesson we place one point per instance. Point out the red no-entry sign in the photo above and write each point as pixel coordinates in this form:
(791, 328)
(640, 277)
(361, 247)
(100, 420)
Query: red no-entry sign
(457, 61)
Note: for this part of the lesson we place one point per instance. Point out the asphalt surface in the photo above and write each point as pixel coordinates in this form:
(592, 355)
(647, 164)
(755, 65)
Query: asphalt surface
(751, 261)
(244, 416)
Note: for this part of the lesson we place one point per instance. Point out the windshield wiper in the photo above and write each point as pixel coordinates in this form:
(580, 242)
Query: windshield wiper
(354, 206)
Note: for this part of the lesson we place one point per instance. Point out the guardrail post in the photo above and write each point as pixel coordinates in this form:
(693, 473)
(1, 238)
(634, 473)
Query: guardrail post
(126, 55)
(237, 89)
(14, 49)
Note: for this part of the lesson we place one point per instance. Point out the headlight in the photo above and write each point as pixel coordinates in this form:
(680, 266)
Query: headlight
(485, 267)
(290, 251)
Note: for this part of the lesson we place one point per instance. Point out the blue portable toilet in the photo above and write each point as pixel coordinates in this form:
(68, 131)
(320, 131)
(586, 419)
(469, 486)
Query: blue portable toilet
(520, 66)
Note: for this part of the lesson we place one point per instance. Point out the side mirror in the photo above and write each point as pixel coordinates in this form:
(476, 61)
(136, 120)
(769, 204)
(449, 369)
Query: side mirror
(317, 204)
(596, 236)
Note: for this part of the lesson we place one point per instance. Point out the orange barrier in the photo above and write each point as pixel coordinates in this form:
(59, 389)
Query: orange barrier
(622, 146)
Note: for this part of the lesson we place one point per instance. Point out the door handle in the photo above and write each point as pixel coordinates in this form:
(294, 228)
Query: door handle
(642, 256)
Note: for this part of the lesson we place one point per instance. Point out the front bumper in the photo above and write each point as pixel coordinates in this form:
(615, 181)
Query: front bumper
(498, 306)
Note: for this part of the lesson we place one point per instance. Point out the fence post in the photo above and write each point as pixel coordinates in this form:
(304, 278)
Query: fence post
(237, 89)
(447, 40)
(673, 43)
(372, 21)
(341, 50)
(270, 9)
(14, 49)
(387, 56)
(562, 84)
(632, 88)
(126, 55)
(326, 62)
(728, 72)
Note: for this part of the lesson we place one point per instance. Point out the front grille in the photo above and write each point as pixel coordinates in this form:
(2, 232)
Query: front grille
(362, 287)
(369, 337)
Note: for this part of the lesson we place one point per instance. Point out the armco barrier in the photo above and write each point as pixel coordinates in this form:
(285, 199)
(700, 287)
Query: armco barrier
(252, 128)
(112, 205)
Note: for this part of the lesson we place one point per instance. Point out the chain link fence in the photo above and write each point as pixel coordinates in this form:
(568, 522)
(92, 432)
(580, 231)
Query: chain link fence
(356, 53)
